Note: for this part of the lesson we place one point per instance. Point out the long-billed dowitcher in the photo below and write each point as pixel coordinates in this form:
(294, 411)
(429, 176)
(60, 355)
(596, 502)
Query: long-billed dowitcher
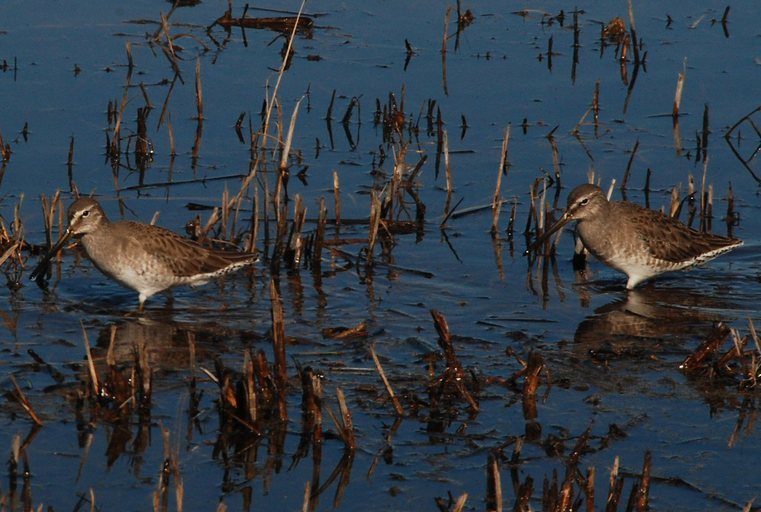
(145, 258)
(639, 242)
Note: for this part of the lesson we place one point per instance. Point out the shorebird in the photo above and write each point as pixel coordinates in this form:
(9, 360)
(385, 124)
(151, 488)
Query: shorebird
(639, 242)
(142, 257)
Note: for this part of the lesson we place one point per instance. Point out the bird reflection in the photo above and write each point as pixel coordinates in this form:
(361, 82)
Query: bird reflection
(170, 344)
(643, 318)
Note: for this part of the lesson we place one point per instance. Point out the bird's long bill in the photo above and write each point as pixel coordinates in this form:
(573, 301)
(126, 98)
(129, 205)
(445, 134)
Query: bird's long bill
(42, 266)
(565, 219)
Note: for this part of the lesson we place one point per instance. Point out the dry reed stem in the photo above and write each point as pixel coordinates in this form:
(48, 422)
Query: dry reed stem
(24, 402)
(70, 156)
(454, 372)
(675, 203)
(278, 339)
(5, 151)
(705, 132)
(695, 360)
(703, 195)
(165, 105)
(447, 166)
(250, 385)
(589, 489)
(299, 218)
(170, 134)
(116, 134)
(337, 197)
(289, 137)
(496, 201)
(307, 497)
(162, 486)
(110, 359)
(319, 236)
(493, 484)
(281, 72)
(534, 367)
(641, 504)
(394, 400)
(90, 363)
(348, 424)
(555, 154)
(199, 90)
(444, 51)
(628, 171)
(616, 486)
(460, 503)
(633, 30)
(679, 89)
(375, 218)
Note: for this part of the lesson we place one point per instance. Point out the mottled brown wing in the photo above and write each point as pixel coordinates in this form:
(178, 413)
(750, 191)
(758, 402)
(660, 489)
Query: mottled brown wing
(670, 240)
(183, 256)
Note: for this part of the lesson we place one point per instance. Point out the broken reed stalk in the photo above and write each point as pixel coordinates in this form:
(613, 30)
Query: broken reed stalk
(5, 151)
(254, 232)
(459, 505)
(616, 484)
(641, 504)
(311, 405)
(633, 30)
(199, 90)
(534, 367)
(69, 164)
(250, 384)
(675, 203)
(589, 488)
(447, 166)
(703, 196)
(375, 217)
(306, 506)
(496, 201)
(678, 94)
(348, 424)
(319, 235)
(628, 171)
(278, 339)
(555, 155)
(394, 399)
(296, 245)
(705, 132)
(493, 484)
(224, 209)
(115, 149)
(21, 398)
(454, 372)
(90, 363)
(444, 51)
(337, 197)
(170, 134)
(289, 137)
(48, 215)
(281, 72)
(695, 361)
(160, 496)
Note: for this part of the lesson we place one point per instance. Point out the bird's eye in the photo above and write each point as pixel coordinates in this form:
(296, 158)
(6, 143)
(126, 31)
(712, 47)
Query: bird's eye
(584, 201)
(85, 213)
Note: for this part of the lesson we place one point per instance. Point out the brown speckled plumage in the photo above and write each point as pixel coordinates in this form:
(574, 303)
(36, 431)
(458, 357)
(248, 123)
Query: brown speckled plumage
(145, 258)
(639, 242)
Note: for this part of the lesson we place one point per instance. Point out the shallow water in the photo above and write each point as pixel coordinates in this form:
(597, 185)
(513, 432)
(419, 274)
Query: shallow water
(612, 356)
